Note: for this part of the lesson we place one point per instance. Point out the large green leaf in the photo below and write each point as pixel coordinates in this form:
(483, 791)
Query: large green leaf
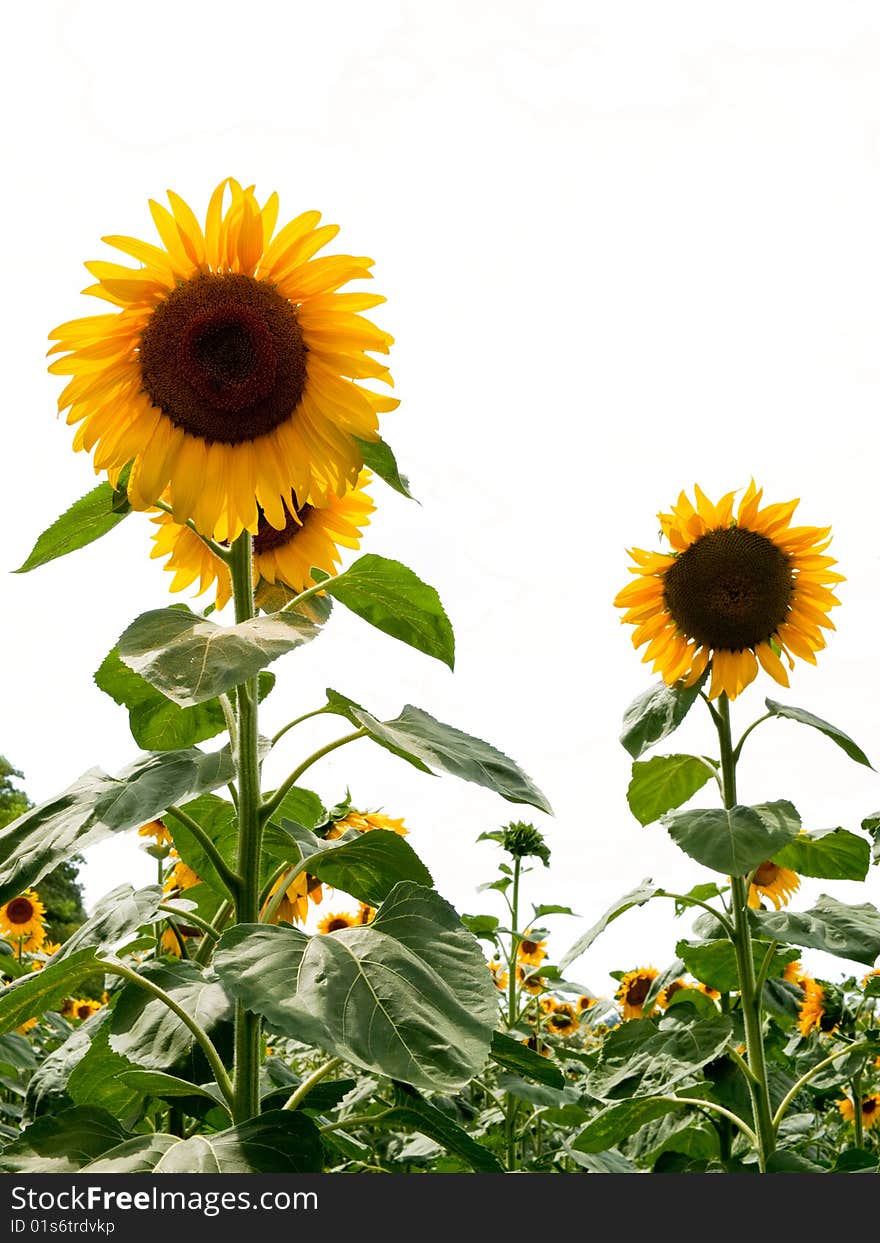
(219, 820)
(734, 840)
(365, 865)
(191, 659)
(279, 1142)
(618, 1121)
(34, 994)
(428, 744)
(790, 713)
(150, 1035)
(519, 1058)
(641, 1059)
(92, 516)
(664, 782)
(94, 1079)
(156, 723)
(47, 1087)
(655, 714)
(116, 919)
(714, 962)
(62, 1143)
(412, 1110)
(636, 897)
(379, 457)
(167, 1087)
(96, 806)
(848, 931)
(831, 854)
(407, 996)
(392, 598)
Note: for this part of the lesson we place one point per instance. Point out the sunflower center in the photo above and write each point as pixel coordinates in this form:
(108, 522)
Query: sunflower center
(20, 911)
(869, 1106)
(267, 537)
(223, 357)
(336, 925)
(529, 947)
(765, 873)
(637, 991)
(730, 590)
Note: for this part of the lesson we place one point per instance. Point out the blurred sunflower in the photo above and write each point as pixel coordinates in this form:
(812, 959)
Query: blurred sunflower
(294, 906)
(365, 822)
(666, 994)
(870, 1110)
(26, 1026)
(22, 919)
(531, 951)
(737, 591)
(311, 537)
(562, 1021)
(585, 1003)
(821, 1008)
(536, 1044)
(633, 989)
(79, 1007)
(337, 922)
(769, 880)
(365, 913)
(530, 980)
(157, 829)
(229, 376)
(181, 876)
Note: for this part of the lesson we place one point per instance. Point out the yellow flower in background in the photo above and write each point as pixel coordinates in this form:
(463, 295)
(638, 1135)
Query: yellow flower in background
(337, 922)
(547, 1004)
(536, 1044)
(531, 952)
(633, 989)
(26, 1026)
(181, 875)
(530, 980)
(80, 1007)
(769, 880)
(294, 906)
(813, 1012)
(500, 978)
(366, 822)
(311, 537)
(870, 1110)
(584, 1002)
(562, 1021)
(738, 590)
(22, 920)
(157, 829)
(229, 375)
(365, 913)
(666, 994)
(794, 973)
(169, 943)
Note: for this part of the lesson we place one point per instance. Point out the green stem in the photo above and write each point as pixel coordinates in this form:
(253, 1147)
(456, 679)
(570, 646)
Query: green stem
(306, 716)
(316, 590)
(190, 917)
(356, 1120)
(718, 1109)
(299, 1095)
(202, 1038)
(750, 996)
(683, 897)
(218, 923)
(510, 1102)
(219, 550)
(859, 1133)
(247, 895)
(275, 800)
(222, 868)
(754, 725)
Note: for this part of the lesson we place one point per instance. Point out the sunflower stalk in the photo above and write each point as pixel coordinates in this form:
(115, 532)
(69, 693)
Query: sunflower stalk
(750, 991)
(510, 1101)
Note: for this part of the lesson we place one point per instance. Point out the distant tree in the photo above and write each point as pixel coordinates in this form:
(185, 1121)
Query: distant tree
(59, 890)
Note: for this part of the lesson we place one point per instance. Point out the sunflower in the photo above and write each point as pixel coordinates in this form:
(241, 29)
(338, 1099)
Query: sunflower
(229, 375)
(181, 875)
(563, 1020)
(338, 921)
(366, 822)
(294, 906)
(79, 1007)
(157, 829)
(769, 880)
(26, 1026)
(737, 591)
(22, 920)
(311, 537)
(666, 994)
(819, 1010)
(536, 1044)
(870, 1110)
(530, 980)
(584, 1002)
(47, 949)
(794, 973)
(365, 913)
(633, 989)
(530, 951)
(500, 978)
(169, 943)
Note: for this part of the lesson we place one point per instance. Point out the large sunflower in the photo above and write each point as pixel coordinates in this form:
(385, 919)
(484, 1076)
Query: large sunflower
(769, 880)
(870, 1110)
(738, 590)
(22, 919)
(633, 989)
(229, 376)
(311, 537)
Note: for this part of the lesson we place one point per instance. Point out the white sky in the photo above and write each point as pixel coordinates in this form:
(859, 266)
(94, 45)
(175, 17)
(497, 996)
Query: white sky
(624, 248)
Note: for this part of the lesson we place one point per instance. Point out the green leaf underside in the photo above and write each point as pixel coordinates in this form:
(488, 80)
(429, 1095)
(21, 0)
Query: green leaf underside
(380, 459)
(519, 1058)
(279, 1142)
(115, 921)
(636, 897)
(639, 1059)
(155, 722)
(714, 962)
(392, 598)
(97, 806)
(62, 1143)
(412, 1110)
(47, 1088)
(839, 928)
(655, 714)
(87, 519)
(618, 1121)
(407, 995)
(93, 1077)
(34, 994)
(145, 1031)
(428, 744)
(829, 854)
(365, 865)
(790, 713)
(664, 782)
(167, 1087)
(734, 841)
(191, 659)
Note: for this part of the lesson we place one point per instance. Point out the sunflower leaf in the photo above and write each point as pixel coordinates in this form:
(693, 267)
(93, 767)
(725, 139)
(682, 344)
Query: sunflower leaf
(62, 1143)
(428, 744)
(114, 922)
(636, 897)
(663, 783)
(380, 459)
(191, 659)
(831, 854)
(147, 1033)
(620, 1120)
(713, 963)
(412, 986)
(640, 1059)
(839, 928)
(733, 840)
(389, 596)
(96, 806)
(790, 713)
(365, 865)
(34, 994)
(655, 714)
(412, 1110)
(513, 1055)
(92, 516)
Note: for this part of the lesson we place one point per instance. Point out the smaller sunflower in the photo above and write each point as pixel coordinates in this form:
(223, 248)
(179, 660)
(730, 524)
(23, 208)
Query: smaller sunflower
(536, 1044)
(666, 994)
(158, 830)
(769, 880)
(22, 919)
(709, 992)
(820, 1010)
(337, 922)
(26, 1026)
(169, 943)
(563, 1021)
(872, 975)
(531, 951)
(294, 906)
(531, 981)
(500, 978)
(547, 1004)
(870, 1110)
(365, 913)
(633, 989)
(365, 822)
(79, 1007)
(47, 949)
(181, 875)
(794, 973)
(584, 1002)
